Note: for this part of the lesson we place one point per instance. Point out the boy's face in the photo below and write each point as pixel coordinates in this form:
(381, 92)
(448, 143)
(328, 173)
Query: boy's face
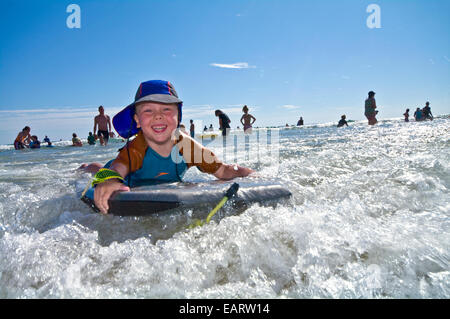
(156, 120)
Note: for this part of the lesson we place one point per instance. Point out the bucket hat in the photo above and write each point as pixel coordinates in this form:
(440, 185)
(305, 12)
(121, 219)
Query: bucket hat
(149, 91)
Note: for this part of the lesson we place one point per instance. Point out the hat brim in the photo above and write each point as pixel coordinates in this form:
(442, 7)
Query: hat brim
(124, 123)
(159, 98)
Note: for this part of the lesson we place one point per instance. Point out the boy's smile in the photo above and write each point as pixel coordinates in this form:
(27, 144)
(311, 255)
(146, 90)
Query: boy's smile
(159, 129)
(157, 121)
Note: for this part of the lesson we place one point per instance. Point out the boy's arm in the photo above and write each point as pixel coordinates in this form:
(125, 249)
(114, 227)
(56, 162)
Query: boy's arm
(103, 191)
(206, 161)
(195, 154)
(121, 165)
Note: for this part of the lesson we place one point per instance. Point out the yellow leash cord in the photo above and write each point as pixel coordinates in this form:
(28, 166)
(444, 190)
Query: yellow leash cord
(230, 192)
(86, 188)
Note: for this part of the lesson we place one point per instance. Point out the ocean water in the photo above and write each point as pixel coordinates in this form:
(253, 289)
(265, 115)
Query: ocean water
(369, 218)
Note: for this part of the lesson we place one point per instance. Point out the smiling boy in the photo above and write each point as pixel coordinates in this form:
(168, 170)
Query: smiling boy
(160, 153)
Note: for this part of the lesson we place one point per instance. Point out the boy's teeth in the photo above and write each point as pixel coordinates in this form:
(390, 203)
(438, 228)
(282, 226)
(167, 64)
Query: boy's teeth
(159, 128)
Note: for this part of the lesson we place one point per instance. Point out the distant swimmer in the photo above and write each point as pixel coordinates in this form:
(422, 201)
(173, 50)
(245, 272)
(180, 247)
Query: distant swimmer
(370, 106)
(427, 112)
(224, 122)
(418, 115)
(300, 121)
(91, 139)
(211, 128)
(406, 115)
(342, 122)
(192, 129)
(23, 138)
(247, 120)
(35, 143)
(46, 139)
(76, 140)
(104, 126)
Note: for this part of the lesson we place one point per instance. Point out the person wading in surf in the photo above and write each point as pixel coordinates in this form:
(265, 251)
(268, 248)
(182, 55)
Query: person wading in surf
(104, 126)
(370, 106)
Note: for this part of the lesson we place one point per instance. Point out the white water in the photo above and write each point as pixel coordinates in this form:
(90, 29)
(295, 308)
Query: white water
(370, 218)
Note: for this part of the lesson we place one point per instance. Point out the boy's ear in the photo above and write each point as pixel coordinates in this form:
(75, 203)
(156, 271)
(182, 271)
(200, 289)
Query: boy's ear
(138, 125)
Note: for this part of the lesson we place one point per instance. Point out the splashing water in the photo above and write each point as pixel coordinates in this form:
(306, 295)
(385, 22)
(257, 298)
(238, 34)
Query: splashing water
(369, 218)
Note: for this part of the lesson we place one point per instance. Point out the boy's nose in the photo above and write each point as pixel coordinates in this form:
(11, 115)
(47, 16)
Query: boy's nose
(158, 114)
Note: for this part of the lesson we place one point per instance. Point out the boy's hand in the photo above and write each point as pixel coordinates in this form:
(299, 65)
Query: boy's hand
(104, 191)
(227, 171)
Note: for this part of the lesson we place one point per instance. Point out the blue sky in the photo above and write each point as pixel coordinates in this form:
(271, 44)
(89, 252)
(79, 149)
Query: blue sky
(283, 58)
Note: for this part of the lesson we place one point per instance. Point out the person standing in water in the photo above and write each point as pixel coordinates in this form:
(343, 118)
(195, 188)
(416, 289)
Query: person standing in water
(300, 121)
(192, 129)
(35, 143)
(247, 120)
(342, 122)
(224, 122)
(104, 126)
(91, 139)
(418, 115)
(23, 138)
(427, 111)
(76, 141)
(370, 106)
(406, 115)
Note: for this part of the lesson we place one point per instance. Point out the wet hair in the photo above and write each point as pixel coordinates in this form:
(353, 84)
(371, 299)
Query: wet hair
(74, 135)
(343, 116)
(218, 112)
(26, 128)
